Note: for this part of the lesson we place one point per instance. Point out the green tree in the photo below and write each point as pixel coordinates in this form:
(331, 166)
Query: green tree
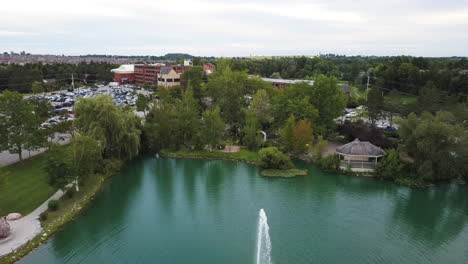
(272, 158)
(59, 167)
(116, 129)
(287, 133)
(227, 87)
(295, 100)
(262, 108)
(37, 87)
(17, 122)
(390, 167)
(320, 147)
(212, 127)
(161, 124)
(303, 136)
(374, 104)
(142, 103)
(275, 75)
(328, 98)
(430, 99)
(193, 77)
(252, 138)
(188, 120)
(42, 108)
(85, 154)
(392, 104)
(435, 142)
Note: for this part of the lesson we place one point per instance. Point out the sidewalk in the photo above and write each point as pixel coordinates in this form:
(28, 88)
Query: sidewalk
(6, 158)
(26, 228)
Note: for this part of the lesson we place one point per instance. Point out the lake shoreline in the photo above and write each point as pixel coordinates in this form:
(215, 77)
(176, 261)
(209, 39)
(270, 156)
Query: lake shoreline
(62, 217)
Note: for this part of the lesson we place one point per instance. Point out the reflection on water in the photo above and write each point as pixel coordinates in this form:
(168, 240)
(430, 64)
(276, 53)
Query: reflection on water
(195, 211)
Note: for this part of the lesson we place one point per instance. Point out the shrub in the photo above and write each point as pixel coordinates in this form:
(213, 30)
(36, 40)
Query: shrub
(410, 182)
(329, 163)
(53, 205)
(272, 158)
(43, 216)
(70, 193)
(111, 166)
(390, 166)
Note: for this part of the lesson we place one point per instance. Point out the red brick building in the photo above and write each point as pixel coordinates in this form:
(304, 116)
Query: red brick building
(150, 73)
(209, 68)
(124, 74)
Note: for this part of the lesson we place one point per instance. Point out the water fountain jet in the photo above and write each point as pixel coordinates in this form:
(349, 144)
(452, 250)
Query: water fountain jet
(263, 239)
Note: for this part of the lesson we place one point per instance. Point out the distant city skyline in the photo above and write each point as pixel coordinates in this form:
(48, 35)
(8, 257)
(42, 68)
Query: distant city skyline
(233, 28)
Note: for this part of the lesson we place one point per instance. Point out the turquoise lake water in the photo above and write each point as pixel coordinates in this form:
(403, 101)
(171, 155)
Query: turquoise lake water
(196, 211)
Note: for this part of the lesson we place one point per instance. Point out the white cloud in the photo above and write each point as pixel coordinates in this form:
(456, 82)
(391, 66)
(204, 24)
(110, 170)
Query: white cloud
(235, 27)
(7, 33)
(452, 17)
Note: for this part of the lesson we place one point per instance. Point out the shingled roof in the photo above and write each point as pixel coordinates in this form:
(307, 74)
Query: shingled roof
(360, 148)
(166, 70)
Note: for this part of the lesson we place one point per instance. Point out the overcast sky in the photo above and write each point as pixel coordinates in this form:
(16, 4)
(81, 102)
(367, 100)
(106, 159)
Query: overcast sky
(236, 27)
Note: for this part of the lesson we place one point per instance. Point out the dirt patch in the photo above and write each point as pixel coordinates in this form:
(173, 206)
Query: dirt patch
(231, 148)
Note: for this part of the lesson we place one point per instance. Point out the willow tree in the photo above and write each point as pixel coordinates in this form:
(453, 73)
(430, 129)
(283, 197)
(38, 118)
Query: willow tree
(116, 129)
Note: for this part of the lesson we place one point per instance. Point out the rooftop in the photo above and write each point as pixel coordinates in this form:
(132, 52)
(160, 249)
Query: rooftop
(125, 68)
(360, 148)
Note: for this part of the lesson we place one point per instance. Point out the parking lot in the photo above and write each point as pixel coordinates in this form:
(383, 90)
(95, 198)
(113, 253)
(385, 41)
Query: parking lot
(63, 102)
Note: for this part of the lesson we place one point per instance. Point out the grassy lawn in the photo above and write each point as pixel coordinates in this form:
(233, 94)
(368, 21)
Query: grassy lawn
(69, 208)
(26, 186)
(242, 155)
(408, 99)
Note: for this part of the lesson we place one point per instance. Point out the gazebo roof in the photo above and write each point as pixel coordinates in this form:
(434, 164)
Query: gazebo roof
(360, 148)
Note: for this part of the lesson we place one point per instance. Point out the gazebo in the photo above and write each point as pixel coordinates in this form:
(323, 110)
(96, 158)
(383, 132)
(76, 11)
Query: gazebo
(360, 156)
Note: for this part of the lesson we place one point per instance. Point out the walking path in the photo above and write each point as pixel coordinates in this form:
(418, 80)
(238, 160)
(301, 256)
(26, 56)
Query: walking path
(26, 228)
(6, 158)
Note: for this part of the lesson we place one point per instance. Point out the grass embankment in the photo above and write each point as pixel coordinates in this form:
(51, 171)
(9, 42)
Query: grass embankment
(69, 208)
(26, 186)
(242, 155)
(284, 173)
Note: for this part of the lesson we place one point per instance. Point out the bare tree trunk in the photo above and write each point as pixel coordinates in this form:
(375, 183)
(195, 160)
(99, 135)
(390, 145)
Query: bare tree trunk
(20, 153)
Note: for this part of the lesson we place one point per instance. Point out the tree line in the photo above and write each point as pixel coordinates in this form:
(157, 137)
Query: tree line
(20, 78)
(403, 73)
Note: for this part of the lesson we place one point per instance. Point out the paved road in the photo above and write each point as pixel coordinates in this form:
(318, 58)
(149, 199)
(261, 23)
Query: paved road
(6, 158)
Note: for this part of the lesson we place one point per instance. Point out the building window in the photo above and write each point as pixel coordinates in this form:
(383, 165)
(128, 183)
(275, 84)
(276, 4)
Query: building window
(176, 80)
(169, 80)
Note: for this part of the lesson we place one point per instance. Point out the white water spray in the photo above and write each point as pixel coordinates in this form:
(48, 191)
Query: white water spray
(263, 239)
